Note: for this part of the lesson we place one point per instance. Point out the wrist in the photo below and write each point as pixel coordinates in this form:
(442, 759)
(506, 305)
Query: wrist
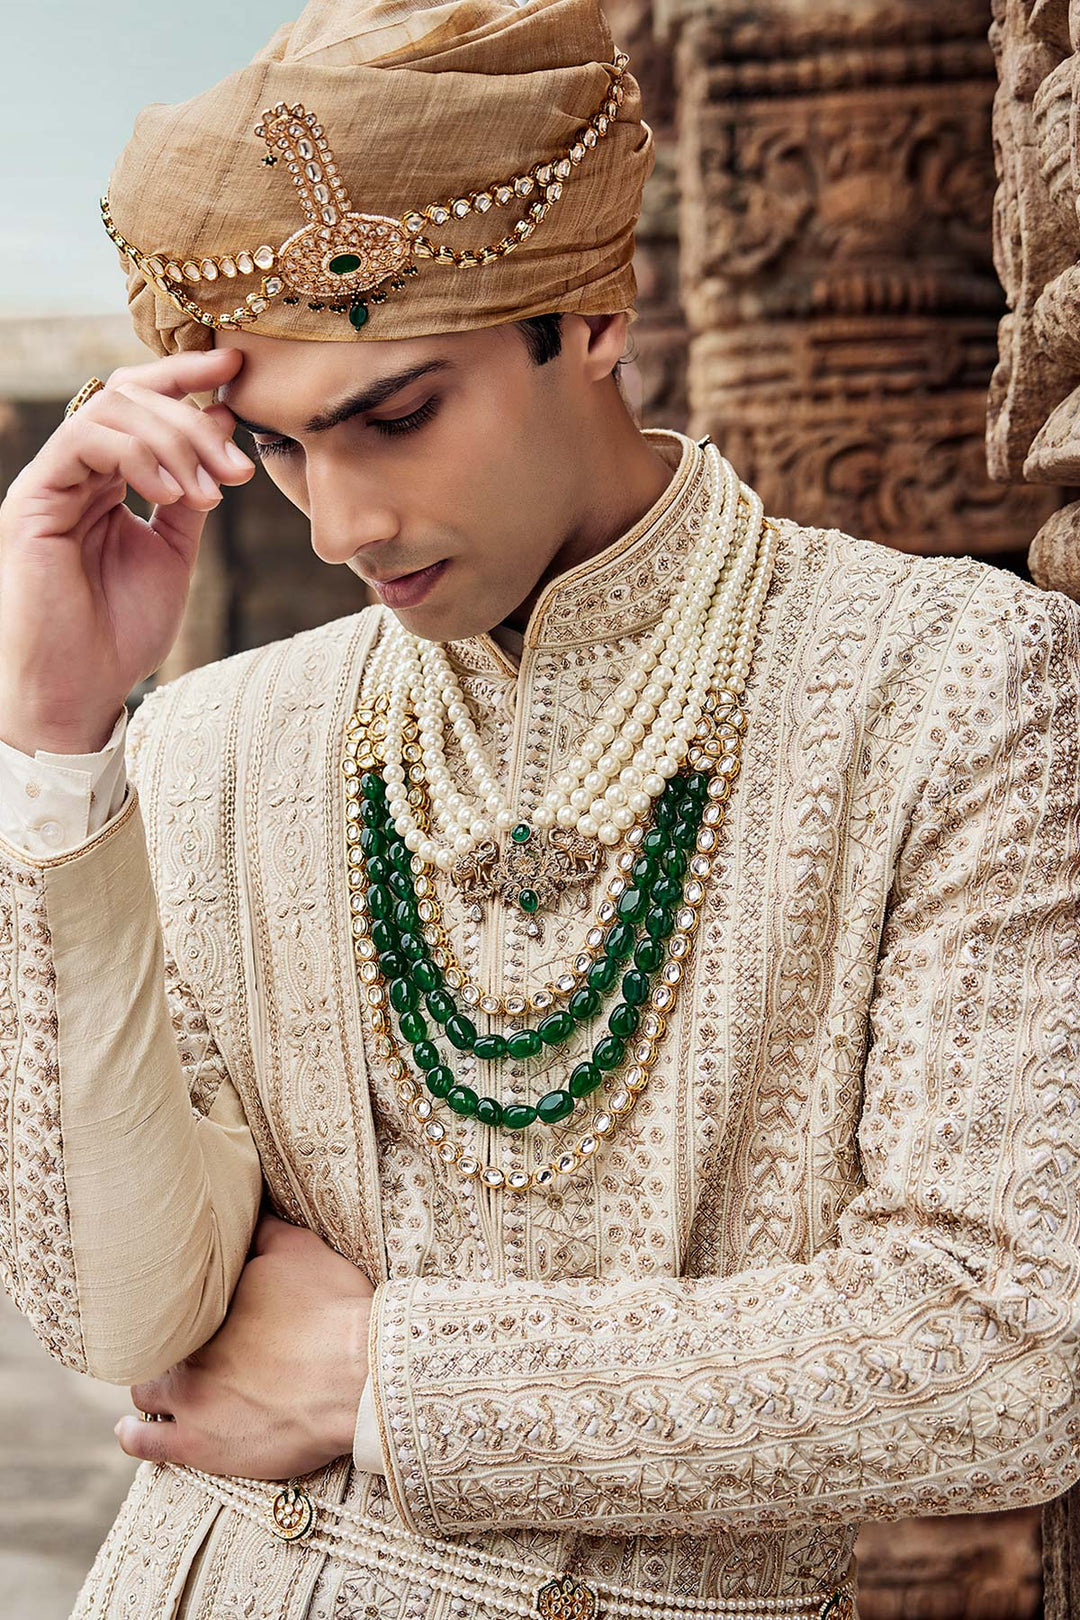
(354, 1374)
(30, 735)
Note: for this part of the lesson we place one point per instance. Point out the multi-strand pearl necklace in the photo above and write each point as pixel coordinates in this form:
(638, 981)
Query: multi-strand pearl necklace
(641, 737)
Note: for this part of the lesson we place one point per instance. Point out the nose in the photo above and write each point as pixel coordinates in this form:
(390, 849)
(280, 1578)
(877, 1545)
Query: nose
(348, 511)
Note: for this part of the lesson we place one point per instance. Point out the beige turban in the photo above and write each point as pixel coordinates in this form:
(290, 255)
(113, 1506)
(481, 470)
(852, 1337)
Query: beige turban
(382, 115)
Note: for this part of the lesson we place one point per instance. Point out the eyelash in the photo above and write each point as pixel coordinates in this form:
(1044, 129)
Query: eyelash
(389, 428)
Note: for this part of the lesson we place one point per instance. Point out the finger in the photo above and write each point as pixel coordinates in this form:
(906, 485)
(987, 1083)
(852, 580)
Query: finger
(203, 439)
(195, 372)
(65, 461)
(167, 443)
(150, 1442)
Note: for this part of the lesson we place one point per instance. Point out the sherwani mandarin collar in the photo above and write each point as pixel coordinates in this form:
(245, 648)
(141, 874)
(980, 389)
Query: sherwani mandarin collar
(621, 591)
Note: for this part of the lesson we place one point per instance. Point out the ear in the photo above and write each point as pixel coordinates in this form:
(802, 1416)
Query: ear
(606, 342)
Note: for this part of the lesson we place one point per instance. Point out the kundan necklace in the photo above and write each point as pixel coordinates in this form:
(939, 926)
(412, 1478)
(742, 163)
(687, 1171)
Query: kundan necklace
(653, 778)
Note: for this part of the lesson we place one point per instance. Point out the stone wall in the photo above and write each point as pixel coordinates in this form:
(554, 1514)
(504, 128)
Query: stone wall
(1034, 423)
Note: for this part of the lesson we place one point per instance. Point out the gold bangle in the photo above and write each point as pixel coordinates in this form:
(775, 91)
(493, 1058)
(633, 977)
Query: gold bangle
(87, 391)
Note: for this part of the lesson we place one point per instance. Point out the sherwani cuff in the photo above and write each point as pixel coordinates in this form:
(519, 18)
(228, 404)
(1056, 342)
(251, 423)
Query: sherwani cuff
(389, 1394)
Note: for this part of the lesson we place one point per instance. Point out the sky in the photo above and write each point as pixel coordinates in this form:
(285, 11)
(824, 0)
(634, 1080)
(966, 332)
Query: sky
(73, 75)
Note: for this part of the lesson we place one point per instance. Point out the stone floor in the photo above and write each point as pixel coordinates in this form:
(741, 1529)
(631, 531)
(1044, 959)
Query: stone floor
(62, 1475)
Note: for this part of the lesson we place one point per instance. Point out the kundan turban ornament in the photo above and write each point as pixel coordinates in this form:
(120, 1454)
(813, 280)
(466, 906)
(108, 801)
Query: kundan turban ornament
(407, 168)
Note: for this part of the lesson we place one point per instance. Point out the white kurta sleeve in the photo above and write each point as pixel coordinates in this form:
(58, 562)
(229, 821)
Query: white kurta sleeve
(129, 1181)
(51, 803)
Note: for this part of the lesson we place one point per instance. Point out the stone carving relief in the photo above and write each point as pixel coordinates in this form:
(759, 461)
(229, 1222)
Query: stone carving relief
(836, 183)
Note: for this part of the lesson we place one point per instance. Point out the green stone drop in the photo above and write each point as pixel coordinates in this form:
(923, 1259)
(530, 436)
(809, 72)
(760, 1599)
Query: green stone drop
(667, 891)
(380, 901)
(684, 834)
(635, 989)
(659, 922)
(372, 786)
(378, 869)
(401, 884)
(555, 1028)
(554, 1106)
(529, 900)
(413, 1027)
(524, 1043)
(461, 1031)
(602, 974)
(371, 814)
(426, 975)
(440, 1081)
(400, 856)
(667, 814)
(624, 1020)
(358, 314)
(584, 1003)
(648, 956)
(517, 1116)
(372, 842)
(342, 265)
(463, 1100)
(674, 863)
(394, 965)
(426, 1054)
(609, 1053)
(413, 946)
(521, 833)
(644, 870)
(620, 941)
(441, 1005)
(384, 936)
(403, 995)
(491, 1048)
(406, 916)
(654, 842)
(585, 1078)
(489, 1112)
(632, 905)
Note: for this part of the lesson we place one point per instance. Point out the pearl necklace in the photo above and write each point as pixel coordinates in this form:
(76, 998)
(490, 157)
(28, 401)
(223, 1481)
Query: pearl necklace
(642, 735)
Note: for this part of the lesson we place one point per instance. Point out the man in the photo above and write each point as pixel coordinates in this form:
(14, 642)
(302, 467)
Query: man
(636, 964)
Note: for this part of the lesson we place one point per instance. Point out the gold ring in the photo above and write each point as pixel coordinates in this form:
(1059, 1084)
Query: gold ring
(87, 391)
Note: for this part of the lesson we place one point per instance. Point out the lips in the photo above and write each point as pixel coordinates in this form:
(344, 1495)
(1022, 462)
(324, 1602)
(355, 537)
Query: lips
(407, 590)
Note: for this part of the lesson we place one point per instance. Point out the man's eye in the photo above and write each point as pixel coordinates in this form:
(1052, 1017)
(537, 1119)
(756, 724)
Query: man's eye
(391, 425)
(272, 447)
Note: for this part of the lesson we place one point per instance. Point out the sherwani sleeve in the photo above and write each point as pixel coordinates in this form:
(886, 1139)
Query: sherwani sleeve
(928, 1361)
(129, 1181)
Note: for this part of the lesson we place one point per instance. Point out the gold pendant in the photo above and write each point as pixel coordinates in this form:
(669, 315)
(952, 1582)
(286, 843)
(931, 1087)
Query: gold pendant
(566, 1599)
(533, 872)
(292, 1514)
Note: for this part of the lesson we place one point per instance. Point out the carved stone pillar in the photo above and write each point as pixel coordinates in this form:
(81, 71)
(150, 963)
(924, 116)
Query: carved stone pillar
(836, 182)
(1034, 421)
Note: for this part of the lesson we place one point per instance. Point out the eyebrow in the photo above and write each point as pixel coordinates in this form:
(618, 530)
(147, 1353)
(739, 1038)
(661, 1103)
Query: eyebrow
(368, 399)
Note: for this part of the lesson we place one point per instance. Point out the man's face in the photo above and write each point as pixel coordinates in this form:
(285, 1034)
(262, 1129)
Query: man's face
(446, 471)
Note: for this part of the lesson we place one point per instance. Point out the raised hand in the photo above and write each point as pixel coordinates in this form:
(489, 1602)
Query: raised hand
(91, 596)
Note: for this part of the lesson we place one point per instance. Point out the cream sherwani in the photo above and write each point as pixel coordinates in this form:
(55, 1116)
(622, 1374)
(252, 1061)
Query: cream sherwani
(828, 1270)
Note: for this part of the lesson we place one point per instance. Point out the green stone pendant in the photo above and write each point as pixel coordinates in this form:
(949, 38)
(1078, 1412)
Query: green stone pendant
(358, 313)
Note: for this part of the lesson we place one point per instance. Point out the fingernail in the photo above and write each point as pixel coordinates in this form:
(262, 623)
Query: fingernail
(207, 484)
(116, 1431)
(237, 456)
(167, 479)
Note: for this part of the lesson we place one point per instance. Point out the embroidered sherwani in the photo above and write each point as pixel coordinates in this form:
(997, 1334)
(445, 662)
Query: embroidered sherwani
(829, 1267)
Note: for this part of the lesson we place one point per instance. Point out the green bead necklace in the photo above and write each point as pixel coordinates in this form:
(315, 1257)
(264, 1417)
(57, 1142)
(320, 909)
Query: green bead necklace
(645, 918)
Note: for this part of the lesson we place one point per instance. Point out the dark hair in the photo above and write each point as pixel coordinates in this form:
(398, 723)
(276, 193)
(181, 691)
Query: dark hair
(543, 337)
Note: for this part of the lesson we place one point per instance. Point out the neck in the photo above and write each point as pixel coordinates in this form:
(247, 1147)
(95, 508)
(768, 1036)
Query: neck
(620, 479)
